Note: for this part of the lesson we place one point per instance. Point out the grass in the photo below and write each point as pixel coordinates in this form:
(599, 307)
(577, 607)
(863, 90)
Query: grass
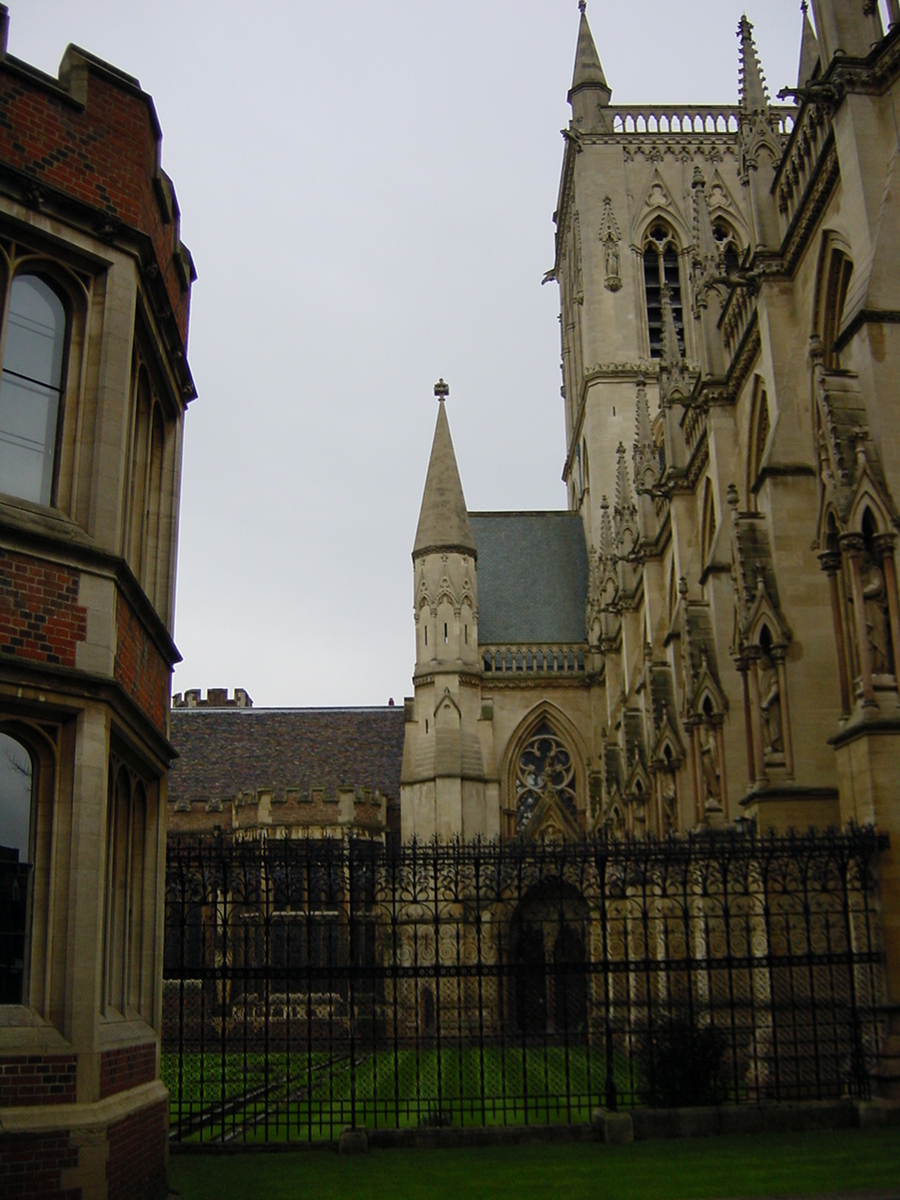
(688, 1169)
(409, 1087)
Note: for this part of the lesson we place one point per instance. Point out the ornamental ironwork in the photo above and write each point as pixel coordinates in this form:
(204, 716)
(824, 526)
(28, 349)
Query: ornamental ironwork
(312, 984)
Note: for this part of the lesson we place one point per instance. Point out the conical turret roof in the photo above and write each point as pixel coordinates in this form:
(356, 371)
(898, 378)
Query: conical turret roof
(587, 61)
(443, 518)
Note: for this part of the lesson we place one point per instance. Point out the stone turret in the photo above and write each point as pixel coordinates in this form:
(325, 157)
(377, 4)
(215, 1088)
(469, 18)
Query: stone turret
(443, 770)
(589, 91)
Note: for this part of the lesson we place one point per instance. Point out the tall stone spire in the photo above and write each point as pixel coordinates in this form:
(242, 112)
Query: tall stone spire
(760, 142)
(625, 511)
(607, 543)
(809, 50)
(754, 94)
(644, 456)
(443, 518)
(624, 495)
(589, 91)
(673, 375)
(646, 463)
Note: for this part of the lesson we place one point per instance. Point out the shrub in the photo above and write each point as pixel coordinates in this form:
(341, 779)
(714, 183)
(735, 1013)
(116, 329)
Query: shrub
(681, 1064)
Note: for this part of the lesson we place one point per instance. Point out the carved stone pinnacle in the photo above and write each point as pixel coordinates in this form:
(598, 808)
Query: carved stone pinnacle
(442, 390)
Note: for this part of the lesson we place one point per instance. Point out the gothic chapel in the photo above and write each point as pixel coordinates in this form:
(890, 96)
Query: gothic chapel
(710, 633)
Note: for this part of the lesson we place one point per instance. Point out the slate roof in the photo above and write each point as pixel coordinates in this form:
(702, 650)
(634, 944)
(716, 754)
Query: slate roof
(532, 577)
(227, 750)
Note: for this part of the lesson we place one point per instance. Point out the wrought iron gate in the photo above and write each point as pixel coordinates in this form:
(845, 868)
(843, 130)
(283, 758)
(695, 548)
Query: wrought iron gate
(314, 984)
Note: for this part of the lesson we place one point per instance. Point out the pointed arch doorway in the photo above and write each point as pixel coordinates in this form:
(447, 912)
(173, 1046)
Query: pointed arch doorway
(549, 937)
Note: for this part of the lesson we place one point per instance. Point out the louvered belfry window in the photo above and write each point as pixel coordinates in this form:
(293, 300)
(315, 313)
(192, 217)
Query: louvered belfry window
(661, 266)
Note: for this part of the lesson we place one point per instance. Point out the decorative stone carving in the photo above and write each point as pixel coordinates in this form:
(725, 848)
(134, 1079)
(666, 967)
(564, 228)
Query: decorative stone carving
(770, 704)
(610, 238)
(711, 767)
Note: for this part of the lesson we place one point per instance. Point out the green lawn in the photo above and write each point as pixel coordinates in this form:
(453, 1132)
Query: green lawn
(310, 1098)
(687, 1169)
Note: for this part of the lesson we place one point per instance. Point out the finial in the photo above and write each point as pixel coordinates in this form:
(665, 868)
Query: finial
(582, 5)
(442, 390)
(804, 7)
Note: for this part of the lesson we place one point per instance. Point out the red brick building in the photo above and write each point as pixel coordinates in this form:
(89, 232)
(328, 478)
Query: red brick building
(94, 297)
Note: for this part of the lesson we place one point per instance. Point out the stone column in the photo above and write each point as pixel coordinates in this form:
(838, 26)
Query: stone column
(884, 547)
(893, 7)
(787, 744)
(831, 565)
(854, 548)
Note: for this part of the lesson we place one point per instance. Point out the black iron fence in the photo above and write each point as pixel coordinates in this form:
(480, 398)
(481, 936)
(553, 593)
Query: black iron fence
(315, 984)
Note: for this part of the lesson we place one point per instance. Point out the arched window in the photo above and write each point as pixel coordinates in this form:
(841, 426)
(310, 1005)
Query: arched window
(661, 267)
(840, 268)
(16, 787)
(544, 768)
(31, 388)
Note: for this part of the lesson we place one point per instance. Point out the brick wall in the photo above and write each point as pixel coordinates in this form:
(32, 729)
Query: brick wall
(140, 668)
(39, 617)
(31, 1166)
(37, 1079)
(136, 1169)
(126, 1067)
(104, 155)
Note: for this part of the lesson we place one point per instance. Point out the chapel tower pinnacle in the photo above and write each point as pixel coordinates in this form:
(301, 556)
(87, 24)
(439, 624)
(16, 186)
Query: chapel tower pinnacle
(589, 91)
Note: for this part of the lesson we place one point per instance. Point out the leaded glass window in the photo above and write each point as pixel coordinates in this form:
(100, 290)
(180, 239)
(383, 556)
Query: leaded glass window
(30, 389)
(544, 768)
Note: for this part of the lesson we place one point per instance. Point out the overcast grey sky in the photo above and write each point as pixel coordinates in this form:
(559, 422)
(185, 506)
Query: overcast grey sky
(367, 190)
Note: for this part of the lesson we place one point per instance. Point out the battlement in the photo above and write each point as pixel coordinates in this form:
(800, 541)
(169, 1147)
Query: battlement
(214, 698)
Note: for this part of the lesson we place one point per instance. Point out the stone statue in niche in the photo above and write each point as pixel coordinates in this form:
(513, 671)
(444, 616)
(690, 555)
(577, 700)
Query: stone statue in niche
(612, 260)
(669, 805)
(770, 704)
(878, 627)
(710, 765)
(610, 238)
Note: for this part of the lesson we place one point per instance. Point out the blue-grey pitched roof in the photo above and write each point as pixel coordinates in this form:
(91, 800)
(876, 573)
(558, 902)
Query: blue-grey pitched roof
(532, 577)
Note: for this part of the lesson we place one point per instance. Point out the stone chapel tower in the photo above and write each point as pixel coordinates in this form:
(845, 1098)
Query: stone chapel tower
(444, 784)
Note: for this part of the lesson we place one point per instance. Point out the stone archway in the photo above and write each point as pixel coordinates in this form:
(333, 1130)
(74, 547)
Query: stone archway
(549, 936)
